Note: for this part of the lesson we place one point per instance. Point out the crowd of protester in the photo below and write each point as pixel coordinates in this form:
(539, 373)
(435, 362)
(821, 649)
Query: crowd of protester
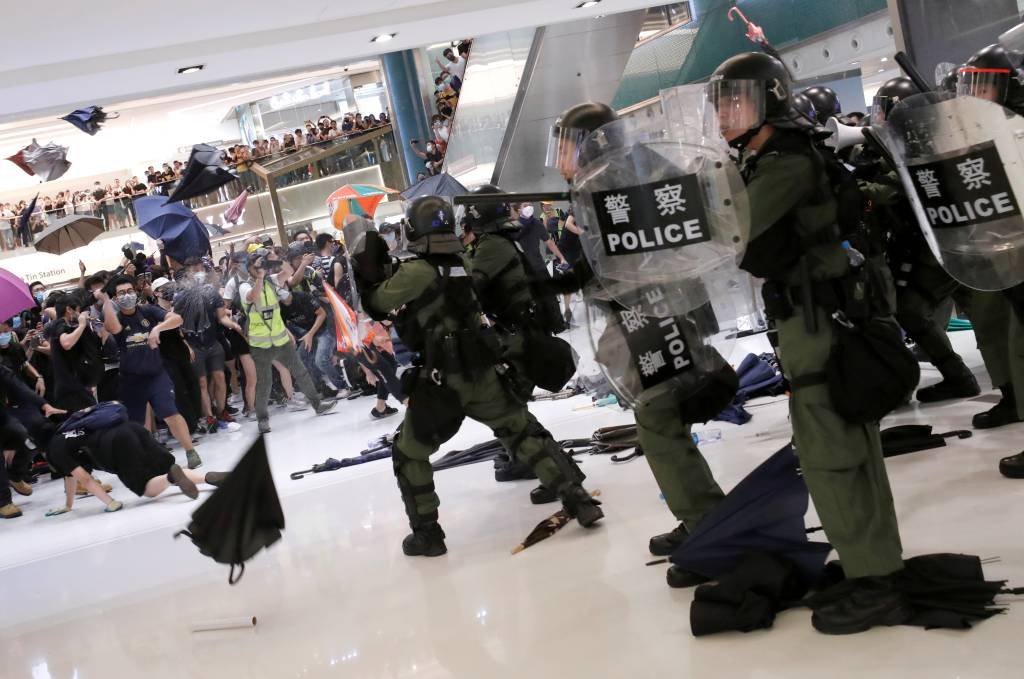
(447, 87)
(192, 349)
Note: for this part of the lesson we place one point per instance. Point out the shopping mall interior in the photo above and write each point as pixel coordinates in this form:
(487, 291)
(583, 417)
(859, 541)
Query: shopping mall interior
(212, 260)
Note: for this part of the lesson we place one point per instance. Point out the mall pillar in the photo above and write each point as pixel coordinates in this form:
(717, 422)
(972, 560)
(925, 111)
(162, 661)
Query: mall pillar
(408, 113)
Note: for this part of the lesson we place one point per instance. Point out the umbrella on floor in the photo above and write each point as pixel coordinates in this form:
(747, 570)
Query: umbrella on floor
(68, 233)
(911, 438)
(443, 185)
(14, 295)
(203, 173)
(234, 211)
(182, 233)
(547, 527)
(89, 119)
(763, 513)
(242, 516)
(358, 199)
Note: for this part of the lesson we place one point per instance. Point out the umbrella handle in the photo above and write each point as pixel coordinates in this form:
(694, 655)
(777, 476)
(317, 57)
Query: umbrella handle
(959, 433)
(300, 474)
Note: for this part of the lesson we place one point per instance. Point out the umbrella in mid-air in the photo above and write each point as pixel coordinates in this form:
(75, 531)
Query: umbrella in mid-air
(68, 233)
(182, 233)
(89, 119)
(48, 161)
(19, 158)
(203, 173)
(443, 185)
(234, 211)
(358, 199)
(242, 516)
(14, 295)
(25, 219)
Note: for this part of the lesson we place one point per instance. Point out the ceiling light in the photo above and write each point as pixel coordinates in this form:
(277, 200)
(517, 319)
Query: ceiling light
(191, 69)
(383, 37)
(884, 59)
(588, 3)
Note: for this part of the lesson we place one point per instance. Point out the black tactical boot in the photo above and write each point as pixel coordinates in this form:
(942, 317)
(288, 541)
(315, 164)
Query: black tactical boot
(1002, 413)
(427, 539)
(542, 496)
(680, 578)
(666, 543)
(957, 382)
(581, 506)
(512, 470)
(1012, 467)
(872, 602)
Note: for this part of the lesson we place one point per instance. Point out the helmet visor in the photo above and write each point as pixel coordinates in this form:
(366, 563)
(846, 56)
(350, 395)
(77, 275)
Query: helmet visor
(739, 104)
(984, 83)
(880, 107)
(564, 148)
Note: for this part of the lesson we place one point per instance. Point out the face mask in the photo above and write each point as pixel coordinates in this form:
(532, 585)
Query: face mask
(527, 212)
(128, 301)
(5, 338)
(38, 295)
(199, 277)
(16, 322)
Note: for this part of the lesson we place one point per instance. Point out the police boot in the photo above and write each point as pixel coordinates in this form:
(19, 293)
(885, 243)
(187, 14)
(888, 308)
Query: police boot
(542, 495)
(870, 602)
(1012, 467)
(426, 539)
(678, 577)
(1004, 412)
(957, 382)
(511, 469)
(581, 506)
(666, 543)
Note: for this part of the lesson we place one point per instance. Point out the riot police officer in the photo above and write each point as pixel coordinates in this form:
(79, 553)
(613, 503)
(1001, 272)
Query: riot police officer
(825, 102)
(794, 240)
(439, 318)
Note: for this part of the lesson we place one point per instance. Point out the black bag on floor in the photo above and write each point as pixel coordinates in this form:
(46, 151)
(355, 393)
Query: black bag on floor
(870, 371)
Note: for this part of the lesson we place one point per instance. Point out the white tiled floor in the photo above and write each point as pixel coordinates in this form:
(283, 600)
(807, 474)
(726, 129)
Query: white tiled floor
(89, 595)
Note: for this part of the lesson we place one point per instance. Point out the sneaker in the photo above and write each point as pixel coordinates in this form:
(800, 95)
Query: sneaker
(343, 393)
(264, 426)
(226, 416)
(206, 425)
(216, 479)
(426, 540)
(228, 426)
(235, 400)
(666, 543)
(21, 488)
(248, 415)
(295, 405)
(230, 409)
(324, 406)
(380, 415)
(193, 459)
(10, 511)
(353, 394)
(177, 477)
(300, 397)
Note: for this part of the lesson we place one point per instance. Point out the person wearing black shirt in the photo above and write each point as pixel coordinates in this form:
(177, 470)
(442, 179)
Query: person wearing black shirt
(143, 378)
(178, 358)
(74, 353)
(571, 248)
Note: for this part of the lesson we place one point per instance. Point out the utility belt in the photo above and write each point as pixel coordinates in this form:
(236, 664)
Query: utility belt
(466, 352)
(859, 295)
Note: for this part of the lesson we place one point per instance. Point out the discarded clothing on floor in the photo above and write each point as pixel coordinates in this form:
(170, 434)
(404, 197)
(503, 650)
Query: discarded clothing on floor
(757, 377)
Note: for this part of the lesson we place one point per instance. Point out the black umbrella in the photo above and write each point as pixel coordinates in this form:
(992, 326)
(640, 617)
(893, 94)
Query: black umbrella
(68, 233)
(443, 185)
(910, 438)
(764, 513)
(204, 173)
(242, 516)
(89, 119)
(24, 227)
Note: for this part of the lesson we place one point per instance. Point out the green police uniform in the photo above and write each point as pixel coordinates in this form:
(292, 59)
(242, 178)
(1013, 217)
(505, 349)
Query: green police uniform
(793, 215)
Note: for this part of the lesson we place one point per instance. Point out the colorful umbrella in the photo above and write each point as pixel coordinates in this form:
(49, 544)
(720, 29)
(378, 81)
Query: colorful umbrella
(358, 199)
(346, 322)
(14, 295)
(237, 207)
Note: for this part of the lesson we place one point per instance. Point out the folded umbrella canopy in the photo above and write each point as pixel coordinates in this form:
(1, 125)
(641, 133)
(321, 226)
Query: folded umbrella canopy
(14, 295)
(443, 185)
(763, 513)
(242, 516)
(203, 173)
(234, 211)
(358, 199)
(89, 119)
(68, 233)
(178, 227)
(25, 221)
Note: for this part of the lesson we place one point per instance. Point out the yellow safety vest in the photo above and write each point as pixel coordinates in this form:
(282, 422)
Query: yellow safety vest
(265, 334)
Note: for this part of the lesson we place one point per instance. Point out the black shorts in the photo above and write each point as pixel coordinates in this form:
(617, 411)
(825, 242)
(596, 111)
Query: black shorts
(239, 347)
(209, 359)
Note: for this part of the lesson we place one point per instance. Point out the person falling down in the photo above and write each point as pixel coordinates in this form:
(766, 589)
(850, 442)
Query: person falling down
(126, 450)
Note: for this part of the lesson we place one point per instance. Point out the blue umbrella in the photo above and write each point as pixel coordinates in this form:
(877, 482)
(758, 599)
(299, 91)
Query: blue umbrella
(88, 119)
(443, 185)
(178, 227)
(763, 513)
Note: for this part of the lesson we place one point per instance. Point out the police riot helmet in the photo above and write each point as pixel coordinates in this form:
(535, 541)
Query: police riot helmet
(993, 73)
(569, 131)
(805, 107)
(486, 217)
(749, 90)
(430, 226)
(892, 92)
(825, 100)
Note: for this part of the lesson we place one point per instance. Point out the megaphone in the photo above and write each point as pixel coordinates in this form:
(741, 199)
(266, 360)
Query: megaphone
(842, 135)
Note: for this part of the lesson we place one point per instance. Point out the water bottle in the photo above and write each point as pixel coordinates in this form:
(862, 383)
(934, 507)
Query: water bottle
(706, 436)
(608, 400)
(855, 256)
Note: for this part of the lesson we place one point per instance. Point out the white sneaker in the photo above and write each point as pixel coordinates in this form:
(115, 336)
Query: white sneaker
(295, 405)
(228, 426)
(343, 394)
(300, 397)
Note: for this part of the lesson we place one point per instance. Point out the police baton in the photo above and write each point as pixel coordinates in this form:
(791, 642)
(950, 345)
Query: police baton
(491, 198)
(908, 67)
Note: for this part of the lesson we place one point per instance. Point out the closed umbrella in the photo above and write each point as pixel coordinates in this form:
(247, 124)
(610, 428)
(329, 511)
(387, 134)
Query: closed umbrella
(14, 295)
(178, 227)
(203, 173)
(25, 222)
(234, 211)
(68, 233)
(89, 119)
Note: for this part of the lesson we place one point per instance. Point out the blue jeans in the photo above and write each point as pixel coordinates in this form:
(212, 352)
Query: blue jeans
(325, 345)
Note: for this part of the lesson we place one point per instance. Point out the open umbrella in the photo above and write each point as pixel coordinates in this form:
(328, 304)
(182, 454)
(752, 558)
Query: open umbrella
(14, 295)
(242, 516)
(763, 513)
(48, 162)
(178, 227)
(203, 173)
(443, 185)
(19, 158)
(68, 233)
(358, 199)
(89, 119)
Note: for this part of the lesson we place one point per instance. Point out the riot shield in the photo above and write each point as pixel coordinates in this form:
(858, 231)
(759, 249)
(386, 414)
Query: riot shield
(657, 209)
(646, 349)
(961, 161)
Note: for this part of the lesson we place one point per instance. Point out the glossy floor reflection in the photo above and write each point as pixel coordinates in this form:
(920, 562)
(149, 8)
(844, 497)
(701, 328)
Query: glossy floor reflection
(89, 595)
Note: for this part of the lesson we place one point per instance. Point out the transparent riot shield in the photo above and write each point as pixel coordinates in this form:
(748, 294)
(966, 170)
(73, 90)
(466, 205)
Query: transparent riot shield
(646, 349)
(657, 209)
(961, 161)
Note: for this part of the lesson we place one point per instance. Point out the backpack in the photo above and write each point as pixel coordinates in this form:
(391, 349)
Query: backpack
(94, 418)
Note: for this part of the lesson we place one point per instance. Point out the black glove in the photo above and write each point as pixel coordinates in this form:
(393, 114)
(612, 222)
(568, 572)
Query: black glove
(371, 263)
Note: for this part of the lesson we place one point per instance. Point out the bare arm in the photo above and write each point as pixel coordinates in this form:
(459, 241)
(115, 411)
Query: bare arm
(550, 243)
(257, 288)
(171, 321)
(110, 319)
(90, 484)
(70, 339)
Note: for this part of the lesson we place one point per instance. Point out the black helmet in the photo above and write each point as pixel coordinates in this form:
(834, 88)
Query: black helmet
(950, 81)
(825, 100)
(749, 90)
(486, 216)
(993, 73)
(428, 216)
(892, 92)
(805, 107)
(571, 128)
